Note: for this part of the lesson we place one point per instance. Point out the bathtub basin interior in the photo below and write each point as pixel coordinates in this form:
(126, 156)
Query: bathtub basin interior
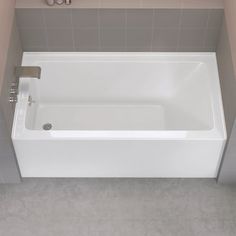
(120, 92)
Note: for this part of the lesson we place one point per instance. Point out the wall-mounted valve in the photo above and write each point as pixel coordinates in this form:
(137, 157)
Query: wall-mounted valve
(23, 72)
(13, 99)
(13, 92)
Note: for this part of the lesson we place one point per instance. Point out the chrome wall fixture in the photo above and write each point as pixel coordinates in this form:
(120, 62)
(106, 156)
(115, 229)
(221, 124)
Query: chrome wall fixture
(68, 2)
(58, 2)
(50, 2)
(13, 92)
(26, 72)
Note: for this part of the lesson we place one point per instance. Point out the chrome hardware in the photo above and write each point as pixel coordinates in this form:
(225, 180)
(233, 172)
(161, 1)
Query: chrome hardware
(68, 2)
(30, 100)
(13, 90)
(12, 99)
(58, 2)
(50, 2)
(14, 84)
(47, 126)
(28, 72)
(25, 72)
(13, 93)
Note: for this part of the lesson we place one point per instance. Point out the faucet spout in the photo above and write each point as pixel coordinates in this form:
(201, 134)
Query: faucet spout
(28, 72)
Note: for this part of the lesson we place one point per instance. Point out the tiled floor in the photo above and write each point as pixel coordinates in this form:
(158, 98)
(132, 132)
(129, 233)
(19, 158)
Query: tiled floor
(117, 207)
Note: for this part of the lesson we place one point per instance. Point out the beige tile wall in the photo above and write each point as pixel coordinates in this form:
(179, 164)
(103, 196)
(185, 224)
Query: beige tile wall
(7, 14)
(10, 56)
(128, 4)
(230, 9)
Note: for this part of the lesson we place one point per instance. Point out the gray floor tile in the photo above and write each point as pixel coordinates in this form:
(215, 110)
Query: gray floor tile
(117, 207)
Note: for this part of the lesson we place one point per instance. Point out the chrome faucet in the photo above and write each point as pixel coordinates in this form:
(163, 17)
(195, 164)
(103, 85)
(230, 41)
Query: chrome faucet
(24, 72)
(68, 2)
(28, 72)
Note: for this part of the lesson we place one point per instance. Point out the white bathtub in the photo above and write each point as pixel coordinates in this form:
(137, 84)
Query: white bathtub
(120, 115)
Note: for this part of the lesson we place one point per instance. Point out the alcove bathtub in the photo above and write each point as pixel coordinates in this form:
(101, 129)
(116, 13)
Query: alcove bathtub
(120, 115)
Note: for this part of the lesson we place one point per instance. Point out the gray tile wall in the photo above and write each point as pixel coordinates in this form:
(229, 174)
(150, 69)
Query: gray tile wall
(9, 171)
(119, 29)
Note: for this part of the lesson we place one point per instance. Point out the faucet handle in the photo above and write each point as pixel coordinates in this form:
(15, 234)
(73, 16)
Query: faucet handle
(59, 2)
(13, 90)
(68, 2)
(13, 99)
(50, 2)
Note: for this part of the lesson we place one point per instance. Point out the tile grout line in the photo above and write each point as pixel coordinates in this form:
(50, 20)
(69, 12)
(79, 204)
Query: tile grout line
(73, 29)
(99, 29)
(179, 29)
(46, 28)
(154, 11)
(206, 30)
(126, 30)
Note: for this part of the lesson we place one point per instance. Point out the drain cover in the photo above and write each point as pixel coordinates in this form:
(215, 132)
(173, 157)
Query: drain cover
(47, 126)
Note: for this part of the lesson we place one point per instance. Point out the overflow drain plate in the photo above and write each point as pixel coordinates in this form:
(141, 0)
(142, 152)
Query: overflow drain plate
(47, 126)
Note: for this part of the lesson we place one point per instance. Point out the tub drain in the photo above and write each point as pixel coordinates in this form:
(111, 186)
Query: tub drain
(47, 126)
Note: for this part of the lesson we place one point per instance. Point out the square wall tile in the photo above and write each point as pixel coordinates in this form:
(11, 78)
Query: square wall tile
(164, 38)
(194, 38)
(167, 4)
(112, 18)
(215, 18)
(164, 49)
(30, 18)
(86, 39)
(62, 49)
(212, 36)
(139, 38)
(191, 49)
(36, 49)
(87, 48)
(120, 4)
(140, 18)
(141, 48)
(58, 18)
(113, 49)
(60, 38)
(167, 18)
(33, 38)
(112, 38)
(202, 4)
(85, 18)
(89, 4)
(192, 18)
